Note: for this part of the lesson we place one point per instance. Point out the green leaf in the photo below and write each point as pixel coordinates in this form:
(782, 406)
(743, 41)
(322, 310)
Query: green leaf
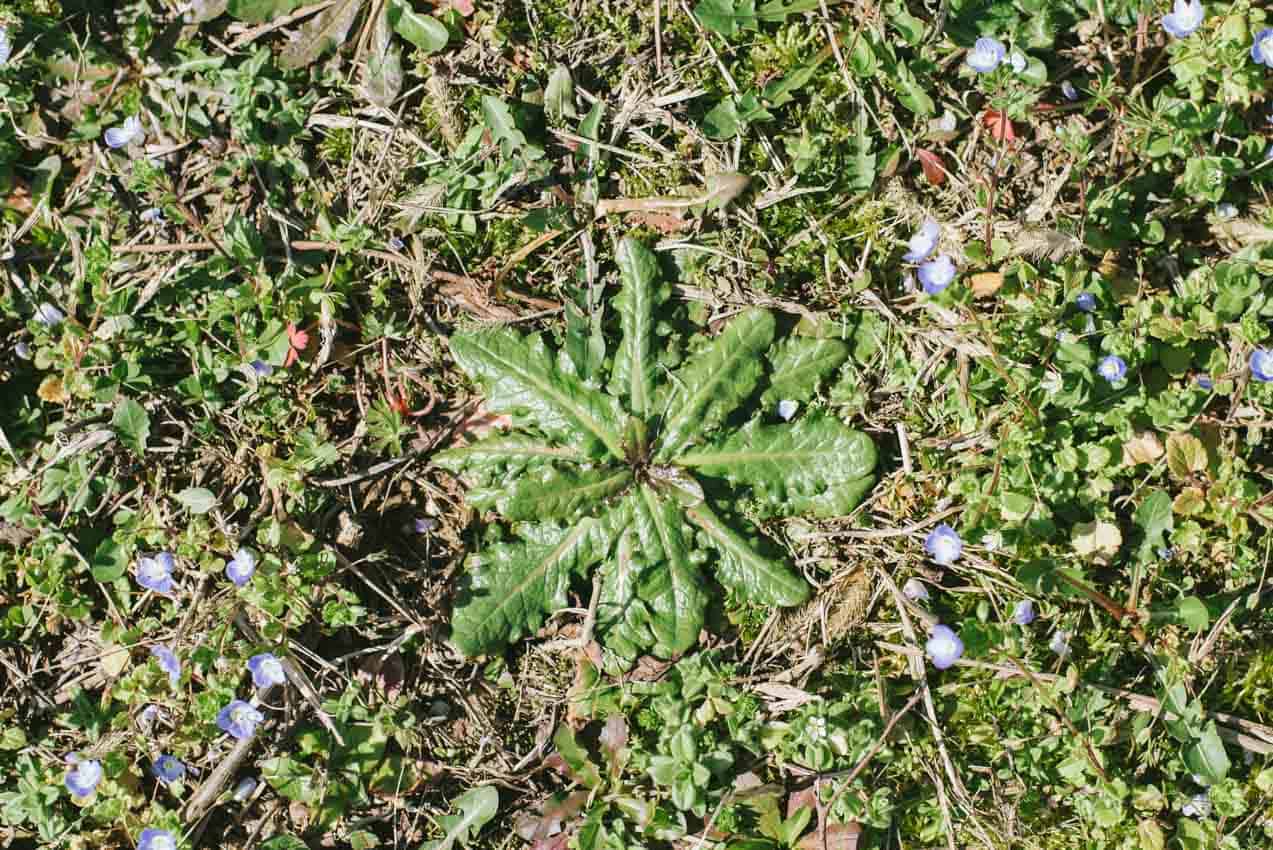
(549, 494)
(382, 73)
(674, 591)
(582, 768)
(322, 32)
(523, 381)
(786, 463)
(197, 500)
(132, 423)
(507, 588)
(110, 561)
(424, 31)
(1192, 611)
(292, 779)
(284, 842)
(741, 568)
(475, 808)
(499, 120)
(259, 11)
(1154, 518)
(726, 17)
(623, 620)
(635, 363)
(1206, 756)
(504, 457)
(799, 364)
(559, 95)
(714, 381)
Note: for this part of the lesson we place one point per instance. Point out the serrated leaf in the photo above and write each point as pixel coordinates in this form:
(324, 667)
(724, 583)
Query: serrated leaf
(632, 376)
(424, 31)
(673, 590)
(741, 568)
(1206, 756)
(623, 621)
(550, 494)
(713, 382)
(474, 809)
(132, 423)
(785, 462)
(508, 588)
(522, 380)
(798, 364)
(197, 500)
(504, 457)
(322, 32)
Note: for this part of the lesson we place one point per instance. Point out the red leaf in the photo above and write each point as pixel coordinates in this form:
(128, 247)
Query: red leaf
(999, 125)
(934, 170)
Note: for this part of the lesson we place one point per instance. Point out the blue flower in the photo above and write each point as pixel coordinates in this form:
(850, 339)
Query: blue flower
(168, 769)
(1112, 368)
(1205, 383)
(787, 409)
(168, 662)
(425, 525)
(244, 789)
(1186, 16)
(49, 316)
(1068, 91)
(1023, 614)
(239, 719)
(1226, 210)
(1018, 62)
(82, 779)
(923, 242)
(262, 369)
(1060, 643)
(943, 545)
(937, 273)
(986, 54)
(154, 215)
(396, 244)
(6, 46)
(944, 647)
(1262, 49)
(156, 573)
(914, 590)
(266, 670)
(125, 134)
(22, 350)
(157, 839)
(1262, 365)
(1086, 302)
(240, 568)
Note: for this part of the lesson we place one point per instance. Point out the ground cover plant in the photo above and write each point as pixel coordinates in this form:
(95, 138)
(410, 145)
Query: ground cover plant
(681, 424)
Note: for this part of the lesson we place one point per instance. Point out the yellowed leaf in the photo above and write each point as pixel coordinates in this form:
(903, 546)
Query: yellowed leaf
(986, 284)
(51, 390)
(113, 661)
(1097, 540)
(1145, 447)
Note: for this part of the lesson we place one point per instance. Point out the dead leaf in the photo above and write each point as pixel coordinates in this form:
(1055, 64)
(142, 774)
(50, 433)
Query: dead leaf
(986, 284)
(52, 390)
(665, 223)
(325, 30)
(934, 170)
(999, 125)
(1099, 540)
(839, 836)
(806, 798)
(1145, 447)
(113, 661)
(648, 669)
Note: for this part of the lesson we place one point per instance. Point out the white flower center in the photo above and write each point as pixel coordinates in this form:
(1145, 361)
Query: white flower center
(163, 842)
(272, 669)
(242, 716)
(945, 549)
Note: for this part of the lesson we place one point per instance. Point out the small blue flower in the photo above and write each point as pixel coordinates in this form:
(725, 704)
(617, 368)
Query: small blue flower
(787, 409)
(125, 134)
(1205, 383)
(149, 714)
(1185, 18)
(168, 662)
(262, 369)
(49, 316)
(1268, 154)
(1018, 62)
(1112, 368)
(22, 350)
(1262, 48)
(1068, 91)
(943, 545)
(244, 789)
(239, 719)
(240, 568)
(154, 215)
(944, 647)
(6, 46)
(1060, 643)
(914, 590)
(1226, 210)
(425, 525)
(923, 242)
(156, 573)
(1086, 302)
(82, 779)
(1023, 614)
(396, 244)
(168, 769)
(266, 670)
(937, 273)
(1166, 552)
(986, 54)
(157, 839)
(1262, 365)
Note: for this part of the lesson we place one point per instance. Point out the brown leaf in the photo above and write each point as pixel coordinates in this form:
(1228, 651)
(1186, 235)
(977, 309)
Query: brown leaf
(665, 223)
(986, 284)
(999, 125)
(649, 669)
(325, 30)
(839, 836)
(51, 390)
(934, 170)
(804, 799)
(1142, 448)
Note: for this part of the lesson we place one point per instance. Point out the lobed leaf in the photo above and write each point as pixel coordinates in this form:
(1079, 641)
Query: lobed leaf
(673, 590)
(632, 376)
(799, 364)
(741, 568)
(504, 457)
(522, 380)
(715, 381)
(794, 468)
(508, 588)
(545, 493)
(473, 809)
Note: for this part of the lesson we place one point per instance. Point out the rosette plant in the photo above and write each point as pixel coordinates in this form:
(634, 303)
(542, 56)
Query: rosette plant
(643, 478)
